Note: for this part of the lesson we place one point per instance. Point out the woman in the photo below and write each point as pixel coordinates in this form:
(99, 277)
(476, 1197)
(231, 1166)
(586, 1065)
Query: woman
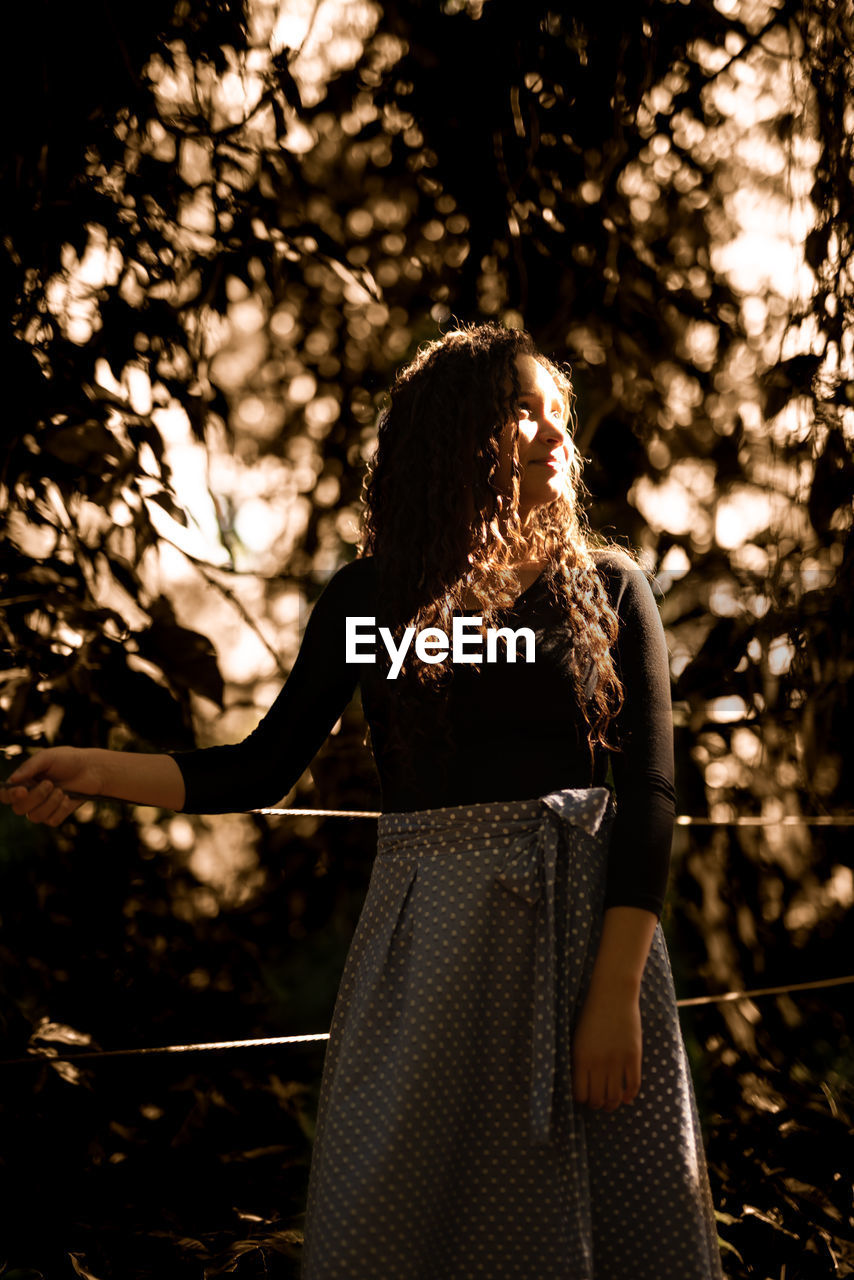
(505, 1090)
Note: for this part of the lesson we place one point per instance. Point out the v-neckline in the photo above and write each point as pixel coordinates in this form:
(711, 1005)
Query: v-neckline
(519, 598)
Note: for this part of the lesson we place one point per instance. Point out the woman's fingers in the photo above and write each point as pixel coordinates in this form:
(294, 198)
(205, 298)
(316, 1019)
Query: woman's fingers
(605, 1088)
(633, 1080)
(606, 1054)
(42, 801)
(23, 799)
(38, 803)
(613, 1089)
(601, 1089)
(65, 807)
(46, 812)
(581, 1084)
(611, 1092)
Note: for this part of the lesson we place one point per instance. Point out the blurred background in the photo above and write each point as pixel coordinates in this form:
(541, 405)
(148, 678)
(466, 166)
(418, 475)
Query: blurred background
(225, 225)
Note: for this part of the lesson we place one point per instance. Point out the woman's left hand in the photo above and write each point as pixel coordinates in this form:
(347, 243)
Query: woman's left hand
(606, 1051)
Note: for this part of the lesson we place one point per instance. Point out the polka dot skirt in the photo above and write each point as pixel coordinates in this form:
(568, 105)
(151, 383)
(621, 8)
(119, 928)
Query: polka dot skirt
(448, 1145)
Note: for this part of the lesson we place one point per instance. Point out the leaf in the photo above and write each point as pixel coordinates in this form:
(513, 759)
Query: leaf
(777, 1230)
(147, 707)
(787, 379)
(831, 486)
(86, 445)
(124, 574)
(362, 278)
(285, 80)
(77, 1262)
(60, 1033)
(139, 432)
(165, 500)
(92, 619)
(711, 669)
(725, 1244)
(43, 1042)
(186, 657)
(815, 246)
(279, 117)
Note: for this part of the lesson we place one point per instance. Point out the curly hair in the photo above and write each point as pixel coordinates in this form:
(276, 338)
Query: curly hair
(439, 525)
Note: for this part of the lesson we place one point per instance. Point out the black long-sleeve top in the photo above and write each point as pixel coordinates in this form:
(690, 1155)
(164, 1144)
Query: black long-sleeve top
(508, 731)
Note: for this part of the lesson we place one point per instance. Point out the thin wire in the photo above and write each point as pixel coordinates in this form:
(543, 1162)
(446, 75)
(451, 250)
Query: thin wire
(765, 991)
(321, 813)
(48, 1054)
(789, 820)
(682, 820)
(224, 1045)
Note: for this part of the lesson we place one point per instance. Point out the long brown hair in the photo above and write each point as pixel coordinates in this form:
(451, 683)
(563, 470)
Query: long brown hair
(438, 524)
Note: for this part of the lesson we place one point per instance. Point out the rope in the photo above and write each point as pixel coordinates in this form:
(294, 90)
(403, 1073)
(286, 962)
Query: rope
(682, 819)
(790, 820)
(48, 1054)
(321, 813)
(761, 991)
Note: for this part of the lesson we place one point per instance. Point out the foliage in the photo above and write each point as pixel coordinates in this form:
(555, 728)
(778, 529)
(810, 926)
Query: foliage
(785, 1169)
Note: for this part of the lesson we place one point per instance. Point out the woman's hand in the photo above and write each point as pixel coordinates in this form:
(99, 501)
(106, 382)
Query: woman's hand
(38, 789)
(606, 1051)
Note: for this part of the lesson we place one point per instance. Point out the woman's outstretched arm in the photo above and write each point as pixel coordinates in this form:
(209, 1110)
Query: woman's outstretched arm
(244, 775)
(263, 767)
(53, 783)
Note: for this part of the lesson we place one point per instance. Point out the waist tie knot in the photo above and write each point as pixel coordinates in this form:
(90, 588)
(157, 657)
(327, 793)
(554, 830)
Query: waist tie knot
(531, 873)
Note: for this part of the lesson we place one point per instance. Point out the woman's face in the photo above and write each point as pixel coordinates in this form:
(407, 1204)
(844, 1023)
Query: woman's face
(543, 439)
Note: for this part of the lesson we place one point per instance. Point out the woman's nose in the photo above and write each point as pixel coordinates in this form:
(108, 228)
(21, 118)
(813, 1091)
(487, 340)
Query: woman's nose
(550, 432)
